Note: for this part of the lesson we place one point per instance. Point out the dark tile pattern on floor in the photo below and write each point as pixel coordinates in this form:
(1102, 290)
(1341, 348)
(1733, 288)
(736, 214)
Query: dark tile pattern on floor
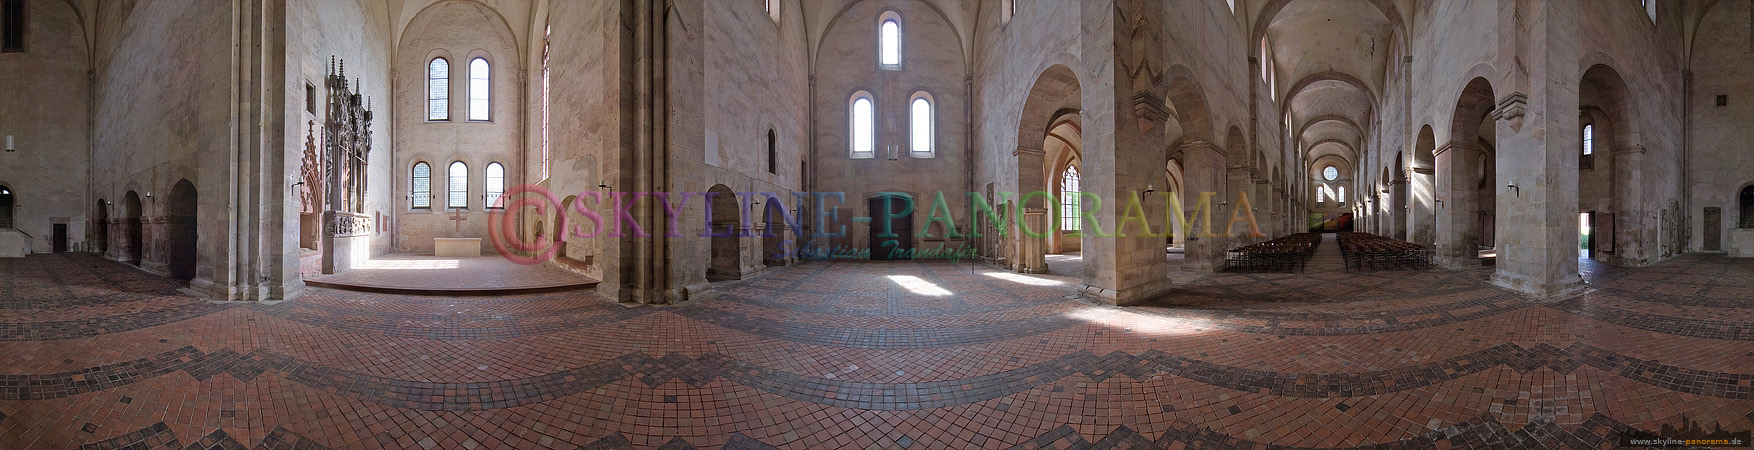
(99, 355)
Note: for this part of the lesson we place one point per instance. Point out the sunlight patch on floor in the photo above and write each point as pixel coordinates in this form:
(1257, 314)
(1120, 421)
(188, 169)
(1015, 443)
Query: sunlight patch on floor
(410, 264)
(919, 286)
(1023, 279)
(1140, 323)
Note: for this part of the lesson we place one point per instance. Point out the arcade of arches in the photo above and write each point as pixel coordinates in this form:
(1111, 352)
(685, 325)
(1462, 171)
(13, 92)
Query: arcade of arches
(875, 223)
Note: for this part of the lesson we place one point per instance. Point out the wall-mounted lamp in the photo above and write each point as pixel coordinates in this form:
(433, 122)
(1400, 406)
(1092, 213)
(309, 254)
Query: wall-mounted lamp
(892, 155)
(1519, 191)
(1149, 189)
(9, 144)
(148, 194)
(603, 186)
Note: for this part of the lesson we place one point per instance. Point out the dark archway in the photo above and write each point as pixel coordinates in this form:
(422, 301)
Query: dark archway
(6, 220)
(100, 228)
(131, 231)
(726, 227)
(1747, 208)
(180, 231)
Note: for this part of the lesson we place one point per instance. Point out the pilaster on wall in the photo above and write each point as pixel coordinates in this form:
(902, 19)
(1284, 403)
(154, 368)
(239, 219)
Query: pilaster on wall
(640, 268)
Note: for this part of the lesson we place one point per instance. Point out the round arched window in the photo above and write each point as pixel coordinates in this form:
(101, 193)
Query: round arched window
(1330, 173)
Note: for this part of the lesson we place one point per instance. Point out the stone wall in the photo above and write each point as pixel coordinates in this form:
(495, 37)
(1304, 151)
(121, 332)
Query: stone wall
(46, 109)
(164, 111)
(459, 32)
(320, 33)
(846, 63)
(1719, 162)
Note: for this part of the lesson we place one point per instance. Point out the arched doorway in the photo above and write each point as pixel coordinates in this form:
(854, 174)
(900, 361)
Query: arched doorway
(1422, 186)
(6, 206)
(892, 226)
(1747, 208)
(1610, 188)
(726, 223)
(773, 236)
(100, 228)
(1467, 179)
(180, 235)
(131, 231)
(1053, 99)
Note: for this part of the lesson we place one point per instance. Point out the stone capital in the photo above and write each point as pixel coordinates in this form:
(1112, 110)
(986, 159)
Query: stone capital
(1460, 145)
(1022, 151)
(1198, 145)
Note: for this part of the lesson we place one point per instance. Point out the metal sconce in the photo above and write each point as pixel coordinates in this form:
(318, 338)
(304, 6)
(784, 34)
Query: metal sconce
(892, 155)
(10, 147)
(1149, 189)
(1519, 191)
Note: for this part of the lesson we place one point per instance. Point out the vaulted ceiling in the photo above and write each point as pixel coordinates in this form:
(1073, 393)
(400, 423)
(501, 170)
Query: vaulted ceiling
(1330, 59)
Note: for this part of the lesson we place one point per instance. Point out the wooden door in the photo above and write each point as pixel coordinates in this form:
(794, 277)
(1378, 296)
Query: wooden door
(901, 244)
(1714, 229)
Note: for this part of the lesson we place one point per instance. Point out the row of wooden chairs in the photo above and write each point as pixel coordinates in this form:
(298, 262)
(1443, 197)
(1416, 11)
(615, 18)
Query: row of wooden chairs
(1365, 251)
(1286, 254)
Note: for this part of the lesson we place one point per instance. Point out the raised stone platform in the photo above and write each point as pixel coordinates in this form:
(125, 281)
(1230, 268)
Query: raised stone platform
(401, 273)
(456, 246)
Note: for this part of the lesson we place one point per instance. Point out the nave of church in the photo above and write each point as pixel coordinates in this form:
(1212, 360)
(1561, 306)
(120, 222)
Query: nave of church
(800, 224)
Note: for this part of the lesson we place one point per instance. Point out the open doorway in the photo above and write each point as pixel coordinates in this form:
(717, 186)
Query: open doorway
(1586, 248)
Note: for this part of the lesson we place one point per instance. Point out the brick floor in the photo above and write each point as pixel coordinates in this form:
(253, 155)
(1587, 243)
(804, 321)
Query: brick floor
(99, 355)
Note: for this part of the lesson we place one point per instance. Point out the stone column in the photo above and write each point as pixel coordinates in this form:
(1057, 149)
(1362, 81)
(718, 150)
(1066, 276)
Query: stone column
(1204, 172)
(1635, 227)
(1261, 199)
(1032, 250)
(1420, 220)
(1398, 210)
(1457, 227)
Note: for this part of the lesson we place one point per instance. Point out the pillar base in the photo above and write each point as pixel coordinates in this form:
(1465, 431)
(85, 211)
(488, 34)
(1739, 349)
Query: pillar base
(1536, 288)
(1130, 296)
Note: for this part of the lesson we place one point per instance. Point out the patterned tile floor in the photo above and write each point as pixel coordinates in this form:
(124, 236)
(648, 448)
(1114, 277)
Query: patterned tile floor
(857, 355)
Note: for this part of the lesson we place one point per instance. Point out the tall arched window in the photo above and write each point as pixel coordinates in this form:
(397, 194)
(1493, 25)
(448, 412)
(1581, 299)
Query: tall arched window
(1069, 199)
(458, 186)
(864, 130)
(772, 152)
(438, 89)
(889, 41)
(1589, 140)
(495, 184)
(478, 89)
(921, 126)
(1340, 194)
(1321, 192)
(422, 191)
(545, 34)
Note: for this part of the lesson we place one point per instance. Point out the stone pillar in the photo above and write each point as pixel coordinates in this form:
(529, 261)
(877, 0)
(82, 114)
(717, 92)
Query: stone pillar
(1261, 199)
(1457, 227)
(1537, 219)
(1398, 210)
(1204, 172)
(1421, 222)
(1635, 227)
(1032, 250)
